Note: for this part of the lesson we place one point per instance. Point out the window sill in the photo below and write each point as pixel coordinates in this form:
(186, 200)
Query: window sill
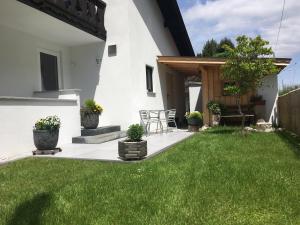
(151, 94)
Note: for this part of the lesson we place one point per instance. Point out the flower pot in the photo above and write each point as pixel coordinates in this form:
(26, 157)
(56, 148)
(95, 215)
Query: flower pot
(216, 118)
(90, 120)
(194, 124)
(194, 121)
(132, 150)
(45, 139)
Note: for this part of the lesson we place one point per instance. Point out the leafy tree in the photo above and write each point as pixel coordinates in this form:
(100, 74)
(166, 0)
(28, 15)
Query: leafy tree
(210, 48)
(248, 63)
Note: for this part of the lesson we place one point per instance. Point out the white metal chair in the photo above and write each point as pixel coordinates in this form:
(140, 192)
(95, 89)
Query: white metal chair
(171, 118)
(144, 115)
(154, 117)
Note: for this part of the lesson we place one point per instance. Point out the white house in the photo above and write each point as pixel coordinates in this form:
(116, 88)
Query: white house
(128, 55)
(54, 54)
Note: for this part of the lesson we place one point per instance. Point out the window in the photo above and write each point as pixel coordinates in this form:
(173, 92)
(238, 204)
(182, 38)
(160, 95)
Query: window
(226, 85)
(149, 78)
(49, 72)
(112, 50)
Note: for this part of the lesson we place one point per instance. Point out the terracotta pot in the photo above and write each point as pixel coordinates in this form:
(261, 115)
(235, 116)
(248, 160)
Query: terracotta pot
(132, 150)
(45, 139)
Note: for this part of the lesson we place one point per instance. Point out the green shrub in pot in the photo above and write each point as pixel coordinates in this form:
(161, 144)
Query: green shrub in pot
(90, 114)
(135, 133)
(214, 107)
(194, 118)
(133, 147)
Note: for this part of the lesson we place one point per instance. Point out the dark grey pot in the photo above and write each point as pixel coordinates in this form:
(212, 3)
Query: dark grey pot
(194, 122)
(90, 120)
(132, 150)
(45, 140)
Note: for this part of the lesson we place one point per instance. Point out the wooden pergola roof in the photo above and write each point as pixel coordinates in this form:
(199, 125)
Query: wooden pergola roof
(192, 65)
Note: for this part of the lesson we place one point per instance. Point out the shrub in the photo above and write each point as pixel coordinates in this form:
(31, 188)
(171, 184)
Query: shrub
(90, 106)
(194, 115)
(51, 123)
(214, 107)
(135, 133)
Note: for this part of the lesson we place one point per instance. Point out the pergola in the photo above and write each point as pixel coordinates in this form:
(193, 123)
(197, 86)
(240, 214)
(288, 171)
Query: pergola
(209, 69)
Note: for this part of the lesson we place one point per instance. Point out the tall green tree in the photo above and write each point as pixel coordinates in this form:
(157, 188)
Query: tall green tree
(247, 64)
(214, 49)
(221, 51)
(209, 49)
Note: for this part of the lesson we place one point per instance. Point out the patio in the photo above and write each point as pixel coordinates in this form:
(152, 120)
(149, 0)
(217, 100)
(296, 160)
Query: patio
(108, 151)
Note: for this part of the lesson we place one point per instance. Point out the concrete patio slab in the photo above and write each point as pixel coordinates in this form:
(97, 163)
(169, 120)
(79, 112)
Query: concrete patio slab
(109, 151)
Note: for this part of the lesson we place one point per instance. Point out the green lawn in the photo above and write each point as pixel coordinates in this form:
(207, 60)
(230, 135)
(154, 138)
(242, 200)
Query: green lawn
(217, 177)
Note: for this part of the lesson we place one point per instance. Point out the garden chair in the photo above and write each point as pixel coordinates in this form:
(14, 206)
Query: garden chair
(144, 115)
(171, 118)
(154, 118)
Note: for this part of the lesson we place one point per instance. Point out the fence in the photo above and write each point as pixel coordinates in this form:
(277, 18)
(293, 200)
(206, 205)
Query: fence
(289, 111)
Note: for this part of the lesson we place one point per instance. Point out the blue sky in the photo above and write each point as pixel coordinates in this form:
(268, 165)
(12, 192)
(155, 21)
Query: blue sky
(207, 19)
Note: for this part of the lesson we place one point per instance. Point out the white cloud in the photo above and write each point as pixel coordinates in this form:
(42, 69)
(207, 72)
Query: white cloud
(217, 19)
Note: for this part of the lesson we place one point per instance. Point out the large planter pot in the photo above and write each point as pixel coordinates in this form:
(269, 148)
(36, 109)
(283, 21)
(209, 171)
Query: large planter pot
(89, 120)
(216, 120)
(194, 124)
(45, 139)
(132, 150)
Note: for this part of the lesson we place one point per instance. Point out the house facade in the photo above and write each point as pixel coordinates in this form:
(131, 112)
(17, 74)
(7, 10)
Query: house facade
(56, 54)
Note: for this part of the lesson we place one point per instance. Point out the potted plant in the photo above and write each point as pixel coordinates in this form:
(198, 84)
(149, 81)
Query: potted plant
(90, 114)
(133, 147)
(215, 109)
(46, 132)
(195, 120)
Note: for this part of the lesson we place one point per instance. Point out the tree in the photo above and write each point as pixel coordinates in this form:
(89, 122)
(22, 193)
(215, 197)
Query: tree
(247, 64)
(210, 48)
(216, 50)
(221, 51)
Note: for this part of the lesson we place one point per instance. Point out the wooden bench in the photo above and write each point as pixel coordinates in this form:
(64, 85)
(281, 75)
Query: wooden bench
(232, 117)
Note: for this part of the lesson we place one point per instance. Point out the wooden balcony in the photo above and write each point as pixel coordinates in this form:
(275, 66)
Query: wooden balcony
(87, 15)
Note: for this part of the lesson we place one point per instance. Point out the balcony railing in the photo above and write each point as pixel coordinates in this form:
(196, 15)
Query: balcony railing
(87, 15)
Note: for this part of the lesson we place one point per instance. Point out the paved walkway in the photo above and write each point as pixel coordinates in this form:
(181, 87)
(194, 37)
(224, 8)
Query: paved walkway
(109, 151)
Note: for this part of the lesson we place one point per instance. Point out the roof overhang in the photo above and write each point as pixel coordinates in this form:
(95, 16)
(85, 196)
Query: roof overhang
(175, 23)
(193, 65)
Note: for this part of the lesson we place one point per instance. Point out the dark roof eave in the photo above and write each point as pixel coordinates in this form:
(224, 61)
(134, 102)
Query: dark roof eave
(175, 23)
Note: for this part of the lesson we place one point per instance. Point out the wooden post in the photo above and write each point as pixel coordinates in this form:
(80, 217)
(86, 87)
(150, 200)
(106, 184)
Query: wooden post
(205, 95)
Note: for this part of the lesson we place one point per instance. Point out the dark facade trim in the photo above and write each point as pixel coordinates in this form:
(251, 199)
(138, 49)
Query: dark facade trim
(175, 23)
(86, 15)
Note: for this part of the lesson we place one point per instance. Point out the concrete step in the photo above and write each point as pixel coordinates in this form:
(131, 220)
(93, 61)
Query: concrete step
(98, 139)
(100, 130)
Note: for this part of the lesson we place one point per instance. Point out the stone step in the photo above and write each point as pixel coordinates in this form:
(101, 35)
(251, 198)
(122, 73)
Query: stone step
(98, 139)
(100, 130)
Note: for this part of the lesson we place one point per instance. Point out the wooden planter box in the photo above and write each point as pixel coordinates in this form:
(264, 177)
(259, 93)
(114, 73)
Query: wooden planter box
(132, 150)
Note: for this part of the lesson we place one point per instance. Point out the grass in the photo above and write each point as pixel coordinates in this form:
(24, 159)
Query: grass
(218, 177)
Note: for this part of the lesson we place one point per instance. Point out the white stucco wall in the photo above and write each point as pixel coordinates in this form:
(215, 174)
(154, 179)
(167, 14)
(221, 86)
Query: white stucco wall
(85, 68)
(19, 62)
(269, 91)
(118, 83)
(18, 116)
(195, 98)
(140, 36)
